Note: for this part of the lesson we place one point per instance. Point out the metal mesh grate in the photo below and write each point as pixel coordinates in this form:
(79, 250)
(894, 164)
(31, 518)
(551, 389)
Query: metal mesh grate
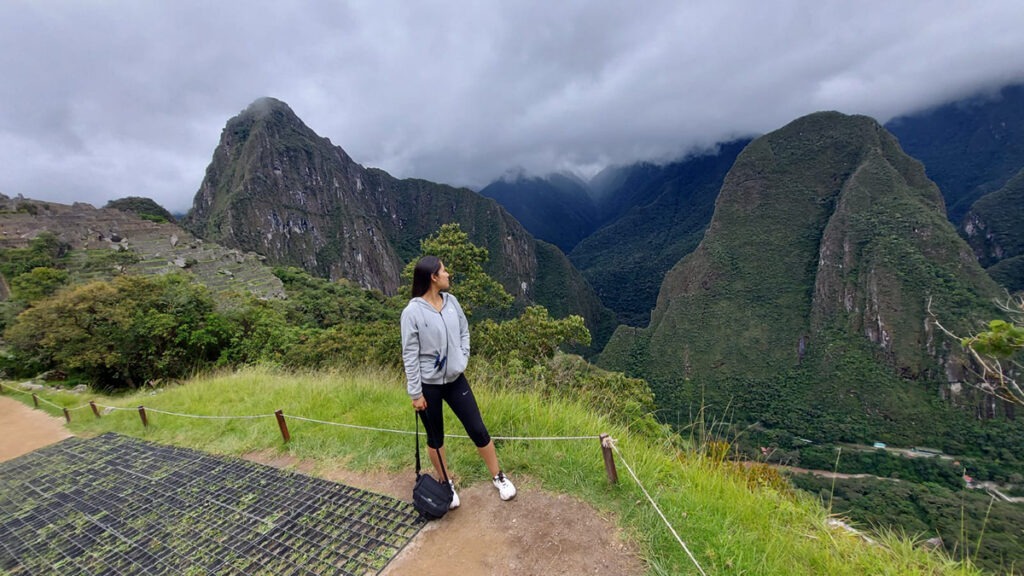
(119, 505)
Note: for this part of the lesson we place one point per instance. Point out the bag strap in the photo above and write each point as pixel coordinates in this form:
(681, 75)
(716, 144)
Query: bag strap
(444, 472)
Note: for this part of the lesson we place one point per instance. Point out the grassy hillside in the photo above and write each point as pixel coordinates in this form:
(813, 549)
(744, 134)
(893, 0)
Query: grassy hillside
(735, 519)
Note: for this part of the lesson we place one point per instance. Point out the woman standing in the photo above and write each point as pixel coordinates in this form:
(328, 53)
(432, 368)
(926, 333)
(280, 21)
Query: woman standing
(435, 351)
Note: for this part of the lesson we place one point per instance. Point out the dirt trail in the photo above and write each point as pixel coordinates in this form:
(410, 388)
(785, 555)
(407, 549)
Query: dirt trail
(23, 429)
(537, 533)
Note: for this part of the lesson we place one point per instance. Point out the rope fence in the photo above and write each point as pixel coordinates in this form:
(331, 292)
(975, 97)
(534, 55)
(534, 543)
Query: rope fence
(658, 509)
(608, 444)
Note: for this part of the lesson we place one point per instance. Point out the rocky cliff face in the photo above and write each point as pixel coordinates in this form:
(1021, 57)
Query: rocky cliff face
(277, 188)
(826, 244)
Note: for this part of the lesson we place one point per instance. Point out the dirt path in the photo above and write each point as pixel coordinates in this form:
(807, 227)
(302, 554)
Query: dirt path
(23, 429)
(537, 533)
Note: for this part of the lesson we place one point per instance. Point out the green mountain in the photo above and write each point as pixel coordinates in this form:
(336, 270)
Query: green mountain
(995, 229)
(970, 147)
(658, 215)
(804, 307)
(276, 188)
(556, 208)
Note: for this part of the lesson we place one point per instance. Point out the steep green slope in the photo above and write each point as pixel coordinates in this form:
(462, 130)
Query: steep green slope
(277, 188)
(804, 306)
(995, 229)
(666, 211)
(970, 147)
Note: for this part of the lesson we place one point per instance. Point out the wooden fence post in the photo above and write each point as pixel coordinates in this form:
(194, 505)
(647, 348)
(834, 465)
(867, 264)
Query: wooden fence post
(142, 414)
(92, 404)
(35, 399)
(67, 415)
(609, 461)
(283, 425)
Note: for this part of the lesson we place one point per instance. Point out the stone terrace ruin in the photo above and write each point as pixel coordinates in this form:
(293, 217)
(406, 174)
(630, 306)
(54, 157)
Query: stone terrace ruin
(157, 247)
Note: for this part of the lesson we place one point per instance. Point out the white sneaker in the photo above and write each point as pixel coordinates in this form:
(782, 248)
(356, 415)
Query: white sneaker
(506, 489)
(455, 497)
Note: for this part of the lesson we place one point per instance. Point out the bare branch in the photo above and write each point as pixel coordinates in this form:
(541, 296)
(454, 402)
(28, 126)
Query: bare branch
(996, 375)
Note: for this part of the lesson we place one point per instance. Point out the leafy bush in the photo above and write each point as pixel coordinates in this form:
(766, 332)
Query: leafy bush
(349, 343)
(120, 334)
(531, 338)
(628, 401)
(37, 283)
(42, 252)
(319, 303)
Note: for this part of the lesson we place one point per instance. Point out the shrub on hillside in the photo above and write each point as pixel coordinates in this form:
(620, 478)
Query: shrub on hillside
(349, 344)
(37, 283)
(532, 338)
(120, 334)
(43, 251)
(625, 400)
(319, 303)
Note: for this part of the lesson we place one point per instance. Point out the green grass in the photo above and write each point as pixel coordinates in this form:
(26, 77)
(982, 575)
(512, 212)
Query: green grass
(733, 523)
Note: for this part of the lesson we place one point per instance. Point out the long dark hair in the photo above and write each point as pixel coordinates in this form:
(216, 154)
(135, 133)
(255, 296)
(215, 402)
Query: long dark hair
(423, 273)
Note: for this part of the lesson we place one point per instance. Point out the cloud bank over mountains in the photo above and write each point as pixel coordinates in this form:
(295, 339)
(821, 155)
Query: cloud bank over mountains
(109, 99)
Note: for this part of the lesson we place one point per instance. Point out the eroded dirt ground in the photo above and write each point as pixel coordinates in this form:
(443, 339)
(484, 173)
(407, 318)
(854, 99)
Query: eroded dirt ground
(23, 429)
(538, 533)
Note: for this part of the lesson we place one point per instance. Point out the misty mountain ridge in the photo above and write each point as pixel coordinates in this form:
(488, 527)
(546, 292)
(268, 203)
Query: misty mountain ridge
(974, 150)
(628, 225)
(969, 147)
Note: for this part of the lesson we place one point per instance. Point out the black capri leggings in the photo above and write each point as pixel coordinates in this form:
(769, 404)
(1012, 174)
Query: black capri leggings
(460, 398)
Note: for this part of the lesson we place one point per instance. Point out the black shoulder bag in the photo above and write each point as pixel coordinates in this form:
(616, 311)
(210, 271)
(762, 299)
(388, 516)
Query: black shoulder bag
(429, 497)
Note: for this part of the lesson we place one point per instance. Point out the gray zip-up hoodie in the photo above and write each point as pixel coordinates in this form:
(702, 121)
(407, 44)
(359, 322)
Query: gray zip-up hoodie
(428, 337)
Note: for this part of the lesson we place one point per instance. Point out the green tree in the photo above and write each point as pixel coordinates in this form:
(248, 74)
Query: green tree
(259, 332)
(38, 283)
(42, 252)
(532, 338)
(464, 261)
(320, 303)
(123, 333)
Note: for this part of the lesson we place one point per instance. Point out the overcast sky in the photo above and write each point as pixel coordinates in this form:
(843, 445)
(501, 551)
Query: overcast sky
(101, 99)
